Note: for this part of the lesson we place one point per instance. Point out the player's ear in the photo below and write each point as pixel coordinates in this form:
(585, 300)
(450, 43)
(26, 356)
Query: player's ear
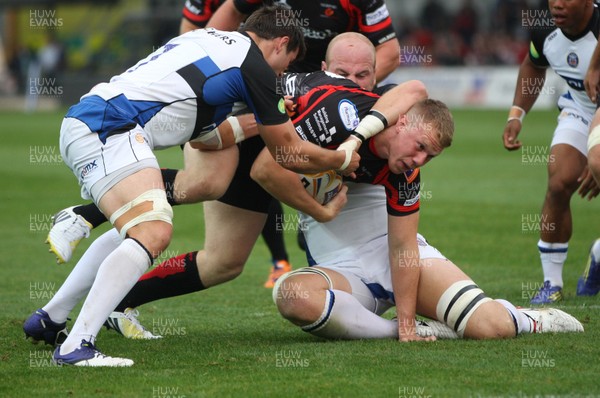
(323, 66)
(282, 44)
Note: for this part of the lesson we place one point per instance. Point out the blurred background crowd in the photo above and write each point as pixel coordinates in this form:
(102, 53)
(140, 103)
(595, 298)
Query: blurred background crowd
(89, 41)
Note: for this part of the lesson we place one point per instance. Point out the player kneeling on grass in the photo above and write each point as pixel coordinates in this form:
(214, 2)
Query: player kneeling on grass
(344, 295)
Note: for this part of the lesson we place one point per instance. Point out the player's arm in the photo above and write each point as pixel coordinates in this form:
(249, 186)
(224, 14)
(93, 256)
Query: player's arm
(186, 26)
(405, 270)
(227, 17)
(530, 81)
(388, 109)
(387, 58)
(286, 186)
(594, 148)
(592, 77)
(281, 139)
(195, 15)
(277, 130)
(233, 130)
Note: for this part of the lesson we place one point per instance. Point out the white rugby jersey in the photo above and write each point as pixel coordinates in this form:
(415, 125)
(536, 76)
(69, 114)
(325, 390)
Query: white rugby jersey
(184, 89)
(568, 56)
(363, 219)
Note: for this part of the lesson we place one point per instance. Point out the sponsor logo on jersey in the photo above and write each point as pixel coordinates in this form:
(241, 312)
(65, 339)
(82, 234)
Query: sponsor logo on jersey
(317, 34)
(329, 9)
(281, 105)
(139, 138)
(348, 114)
(573, 60)
(377, 16)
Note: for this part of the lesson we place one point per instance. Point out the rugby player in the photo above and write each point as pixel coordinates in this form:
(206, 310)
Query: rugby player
(567, 51)
(107, 140)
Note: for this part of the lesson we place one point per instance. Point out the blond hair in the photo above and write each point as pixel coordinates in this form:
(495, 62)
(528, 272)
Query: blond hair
(437, 117)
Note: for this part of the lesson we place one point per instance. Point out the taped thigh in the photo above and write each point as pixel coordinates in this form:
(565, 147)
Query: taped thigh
(458, 303)
(161, 210)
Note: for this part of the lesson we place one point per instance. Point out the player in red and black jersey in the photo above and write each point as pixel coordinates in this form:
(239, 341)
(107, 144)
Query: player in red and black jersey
(321, 21)
(238, 215)
(197, 13)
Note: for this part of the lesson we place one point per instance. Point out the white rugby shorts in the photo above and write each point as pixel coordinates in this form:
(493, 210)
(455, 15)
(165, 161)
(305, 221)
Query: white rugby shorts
(371, 266)
(97, 166)
(573, 125)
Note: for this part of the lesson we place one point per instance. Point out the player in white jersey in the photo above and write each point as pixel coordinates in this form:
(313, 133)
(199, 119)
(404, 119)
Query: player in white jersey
(107, 140)
(349, 285)
(567, 51)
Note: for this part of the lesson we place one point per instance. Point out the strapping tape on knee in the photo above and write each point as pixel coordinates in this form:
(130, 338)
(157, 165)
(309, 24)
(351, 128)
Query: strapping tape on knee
(458, 303)
(300, 271)
(593, 138)
(161, 210)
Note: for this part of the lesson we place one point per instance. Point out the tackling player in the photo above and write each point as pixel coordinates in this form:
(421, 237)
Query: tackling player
(239, 218)
(320, 23)
(107, 140)
(566, 50)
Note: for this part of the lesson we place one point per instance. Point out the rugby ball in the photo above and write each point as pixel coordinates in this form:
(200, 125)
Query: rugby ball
(322, 186)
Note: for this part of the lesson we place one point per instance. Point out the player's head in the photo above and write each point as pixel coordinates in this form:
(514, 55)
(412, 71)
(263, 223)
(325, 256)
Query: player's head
(352, 55)
(419, 135)
(571, 16)
(278, 34)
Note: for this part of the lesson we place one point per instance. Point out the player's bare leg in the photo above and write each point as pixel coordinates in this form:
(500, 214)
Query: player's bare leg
(447, 294)
(330, 304)
(565, 166)
(146, 220)
(231, 233)
(206, 174)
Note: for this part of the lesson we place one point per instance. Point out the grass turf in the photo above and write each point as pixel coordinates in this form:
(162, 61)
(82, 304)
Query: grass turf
(480, 208)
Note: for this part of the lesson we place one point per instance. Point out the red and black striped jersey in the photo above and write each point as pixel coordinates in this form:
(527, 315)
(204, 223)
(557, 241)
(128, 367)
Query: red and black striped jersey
(329, 107)
(199, 12)
(322, 20)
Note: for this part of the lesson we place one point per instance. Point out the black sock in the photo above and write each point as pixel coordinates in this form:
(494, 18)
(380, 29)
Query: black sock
(273, 232)
(168, 176)
(173, 277)
(91, 213)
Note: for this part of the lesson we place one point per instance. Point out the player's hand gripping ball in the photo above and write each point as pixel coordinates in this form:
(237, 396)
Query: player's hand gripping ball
(322, 186)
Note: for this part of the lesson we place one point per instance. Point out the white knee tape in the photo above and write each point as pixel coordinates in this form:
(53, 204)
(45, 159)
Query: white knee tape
(307, 270)
(593, 138)
(161, 210)
(458, 303)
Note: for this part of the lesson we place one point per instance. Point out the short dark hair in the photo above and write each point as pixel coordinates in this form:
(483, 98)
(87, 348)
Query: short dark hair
(277, 21)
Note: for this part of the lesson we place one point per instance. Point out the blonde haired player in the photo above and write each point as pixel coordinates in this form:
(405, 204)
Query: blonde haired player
(351, 285)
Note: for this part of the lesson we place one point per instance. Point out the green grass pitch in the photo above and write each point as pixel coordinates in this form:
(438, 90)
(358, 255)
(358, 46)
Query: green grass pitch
(480, 208)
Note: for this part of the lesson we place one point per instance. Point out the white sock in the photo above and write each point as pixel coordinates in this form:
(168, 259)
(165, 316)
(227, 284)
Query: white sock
(116, 276)
(595, 251)
(522, 322)
(553, 256)
(81, 278)
(344, 317)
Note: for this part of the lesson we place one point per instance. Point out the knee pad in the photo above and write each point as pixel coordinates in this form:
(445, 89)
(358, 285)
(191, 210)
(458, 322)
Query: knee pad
(307, 270)
(161, 210)
(458, 303)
